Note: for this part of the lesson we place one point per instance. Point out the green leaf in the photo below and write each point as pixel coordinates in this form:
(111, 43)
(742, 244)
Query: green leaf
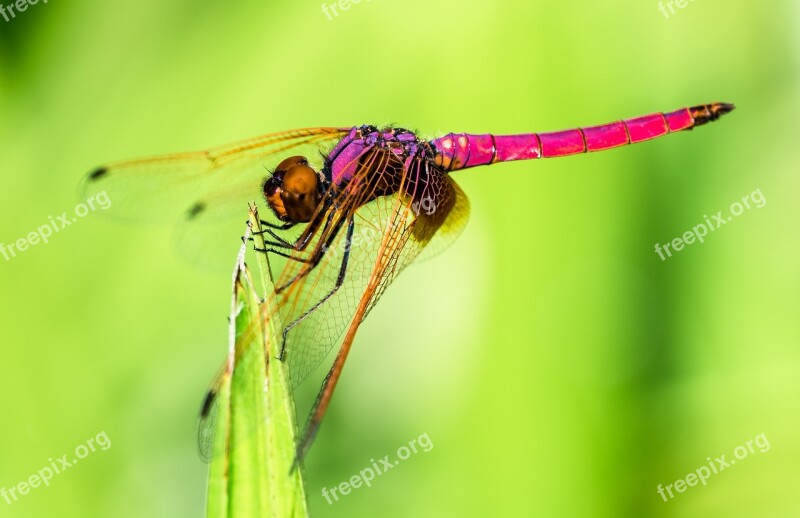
(255, 430)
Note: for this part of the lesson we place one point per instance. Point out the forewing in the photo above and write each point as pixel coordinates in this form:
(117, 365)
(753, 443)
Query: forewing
(206, 191)
(167, 187)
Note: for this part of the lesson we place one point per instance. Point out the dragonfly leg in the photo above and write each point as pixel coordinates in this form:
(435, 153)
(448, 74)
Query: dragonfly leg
(276, 237)
(316, 256)
(282, 254)
(279, 239)
(298, 245)
(274, 248)
(336, 286)
(285, 226)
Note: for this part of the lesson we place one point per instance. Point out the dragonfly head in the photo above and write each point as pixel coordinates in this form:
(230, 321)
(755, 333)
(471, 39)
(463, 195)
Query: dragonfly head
(294, 190)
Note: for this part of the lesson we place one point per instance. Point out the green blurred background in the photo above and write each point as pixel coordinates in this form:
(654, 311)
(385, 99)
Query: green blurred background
(559, 367)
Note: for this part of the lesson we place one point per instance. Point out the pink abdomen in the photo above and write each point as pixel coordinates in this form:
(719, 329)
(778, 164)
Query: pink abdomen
(461, 151)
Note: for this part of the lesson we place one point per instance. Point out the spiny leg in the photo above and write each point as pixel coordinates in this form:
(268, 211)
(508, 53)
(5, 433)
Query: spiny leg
(285, 226)
(302, 241)
(337, 285)
(317, 254)
(280, 253)
(298, 245)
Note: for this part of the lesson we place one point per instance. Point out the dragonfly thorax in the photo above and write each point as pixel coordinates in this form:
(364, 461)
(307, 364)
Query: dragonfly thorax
(364, 143)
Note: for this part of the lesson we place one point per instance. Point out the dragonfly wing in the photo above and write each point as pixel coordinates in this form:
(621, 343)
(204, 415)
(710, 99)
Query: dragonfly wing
(387, 234)
(206, 191)
(207, 427)
(310, 341)
(408, 232)
(452, 226)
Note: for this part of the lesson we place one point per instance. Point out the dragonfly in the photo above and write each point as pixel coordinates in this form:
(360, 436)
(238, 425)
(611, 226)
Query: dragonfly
(348, 209)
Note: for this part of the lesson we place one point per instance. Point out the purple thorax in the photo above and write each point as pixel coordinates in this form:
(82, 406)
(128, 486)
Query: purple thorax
(344, 159)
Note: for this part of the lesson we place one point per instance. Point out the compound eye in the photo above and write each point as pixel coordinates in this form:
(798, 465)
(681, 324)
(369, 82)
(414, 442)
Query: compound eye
(293, 192)
(301, 193)
(273, 188)
(289, 163)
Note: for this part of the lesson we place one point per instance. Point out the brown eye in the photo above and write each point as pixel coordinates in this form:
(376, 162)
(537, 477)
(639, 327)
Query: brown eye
(272, 193)
(300, 194)
(293, 191)
(273, 184)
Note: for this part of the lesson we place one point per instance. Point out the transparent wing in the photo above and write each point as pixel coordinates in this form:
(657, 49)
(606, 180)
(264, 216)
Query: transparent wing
(452, 226)
(169, 187)
(207, 426)
(370, 240)
(387, 234)
(206, 191)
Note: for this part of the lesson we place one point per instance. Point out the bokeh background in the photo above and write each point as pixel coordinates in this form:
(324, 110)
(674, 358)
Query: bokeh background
(559, 367)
